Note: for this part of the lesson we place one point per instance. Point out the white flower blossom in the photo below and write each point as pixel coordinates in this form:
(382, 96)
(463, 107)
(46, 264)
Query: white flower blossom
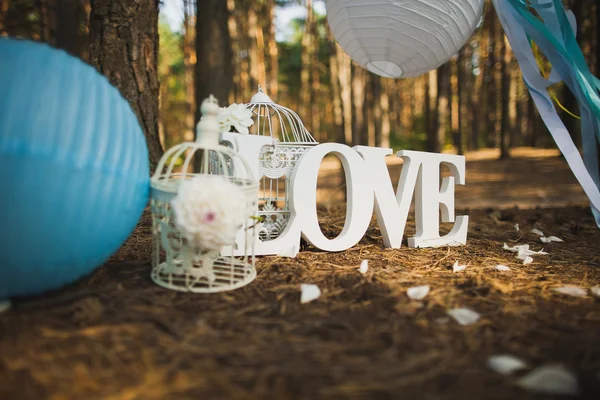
(209, 210)
(236, 116)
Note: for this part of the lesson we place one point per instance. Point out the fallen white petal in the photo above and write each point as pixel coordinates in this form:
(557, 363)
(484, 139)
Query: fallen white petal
(527, 260)
(545, 240)
(501, 268)
(517, 227)
(464, 316)
(537, 232)
(364, 267)
(517, 249)
(523, 252)
(572, 291)
(4, 305)
(555, 239)
(418, 292)
(290, 252)
(458, 268)
(595, 291)
(550, 379)
(514, 249)
(506, 364)
(309, 293)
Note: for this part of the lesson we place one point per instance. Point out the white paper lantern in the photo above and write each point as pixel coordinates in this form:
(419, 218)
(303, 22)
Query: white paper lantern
(402, 38)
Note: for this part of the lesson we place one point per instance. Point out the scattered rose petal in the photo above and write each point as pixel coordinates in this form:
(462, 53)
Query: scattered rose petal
(290, 252)
(501, 268)
(550, 379)
(537, 232)
(595, 291)
(4, 306)
(506, 364)
(418, 292)
(514, 249)
(464, 316)
(522, 252)
(572, 291)
(458, 268)
(521, 248)
(364, 267)
(517, 227)
(309, 293)
(550, 239)
(527, 260)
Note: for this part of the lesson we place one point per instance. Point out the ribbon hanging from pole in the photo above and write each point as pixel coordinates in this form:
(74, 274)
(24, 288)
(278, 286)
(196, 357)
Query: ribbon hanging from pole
(552, 29)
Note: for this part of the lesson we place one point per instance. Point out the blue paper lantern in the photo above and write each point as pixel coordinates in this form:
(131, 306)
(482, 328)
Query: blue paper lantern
(74, 174)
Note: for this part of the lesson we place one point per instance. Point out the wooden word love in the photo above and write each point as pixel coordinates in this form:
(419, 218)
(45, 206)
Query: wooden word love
(369, 188)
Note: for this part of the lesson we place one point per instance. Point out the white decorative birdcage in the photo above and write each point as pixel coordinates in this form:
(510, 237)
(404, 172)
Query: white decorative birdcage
(276, 161)
(204, 204)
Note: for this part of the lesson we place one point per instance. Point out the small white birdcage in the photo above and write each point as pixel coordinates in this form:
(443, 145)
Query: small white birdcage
(276, 162)
(204, 204)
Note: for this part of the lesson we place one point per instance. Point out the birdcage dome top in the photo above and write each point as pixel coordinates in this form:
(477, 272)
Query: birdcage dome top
(205, 156)
(277, 121)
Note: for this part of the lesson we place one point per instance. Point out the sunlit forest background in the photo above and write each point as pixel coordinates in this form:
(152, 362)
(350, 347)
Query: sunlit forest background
(229, 47)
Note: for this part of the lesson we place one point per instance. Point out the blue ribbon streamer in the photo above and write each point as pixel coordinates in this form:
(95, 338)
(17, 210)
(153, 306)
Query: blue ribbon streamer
(562, 50)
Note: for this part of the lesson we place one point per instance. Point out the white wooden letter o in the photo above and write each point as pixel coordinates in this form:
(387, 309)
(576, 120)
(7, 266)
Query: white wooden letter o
(360, 196)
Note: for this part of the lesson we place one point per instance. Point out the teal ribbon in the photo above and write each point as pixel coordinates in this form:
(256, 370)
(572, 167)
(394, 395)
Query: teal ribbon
(562, 50)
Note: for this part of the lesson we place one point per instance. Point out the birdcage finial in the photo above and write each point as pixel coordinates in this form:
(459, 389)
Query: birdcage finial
(260, 97)
(207, 130)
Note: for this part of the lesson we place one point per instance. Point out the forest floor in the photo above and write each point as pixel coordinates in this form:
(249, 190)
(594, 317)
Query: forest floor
(116, 335)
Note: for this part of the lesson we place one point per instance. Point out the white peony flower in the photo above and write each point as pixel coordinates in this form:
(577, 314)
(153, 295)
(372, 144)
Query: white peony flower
(209, 210)
(236, 116)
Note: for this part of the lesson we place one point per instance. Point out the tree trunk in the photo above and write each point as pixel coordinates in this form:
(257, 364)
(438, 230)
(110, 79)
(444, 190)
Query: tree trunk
(258, 73)
(418, 106)
(358, 100)
(376, 88)
(46, 20)
(69, 19)
(305, 72)
(189, 61)
(457, 102)
(514, 101)
(431, 114)
(371, 83)
(239, 81)
(384, 100)
(443, 82)
(315, 78)
(505, 128)
(124, 48)
(532, 128)
(490, 82)
(345, 76)
(273, 85)
(477, 105)
(568, 99)
(334, 71)
(4, 5)
(213, 50)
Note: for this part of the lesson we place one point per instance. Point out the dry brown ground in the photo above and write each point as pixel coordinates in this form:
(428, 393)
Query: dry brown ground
(115, 335)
